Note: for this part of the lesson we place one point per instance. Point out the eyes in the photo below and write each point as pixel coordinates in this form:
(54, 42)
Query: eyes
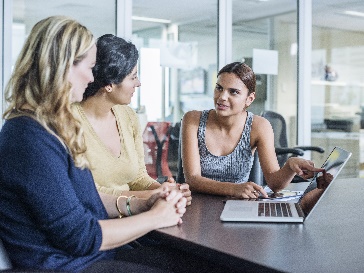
(232, 91)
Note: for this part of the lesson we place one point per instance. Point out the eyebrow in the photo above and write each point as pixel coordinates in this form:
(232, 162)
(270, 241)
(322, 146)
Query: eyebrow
(230, 89)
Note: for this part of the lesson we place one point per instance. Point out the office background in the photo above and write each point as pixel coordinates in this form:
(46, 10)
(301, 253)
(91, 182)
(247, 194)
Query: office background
(308, 55)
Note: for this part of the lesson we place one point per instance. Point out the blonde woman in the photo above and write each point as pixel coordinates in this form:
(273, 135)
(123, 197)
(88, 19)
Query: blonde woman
(52, 216)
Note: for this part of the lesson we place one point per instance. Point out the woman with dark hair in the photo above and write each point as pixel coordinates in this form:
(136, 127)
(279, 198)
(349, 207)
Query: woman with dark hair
(218, 145)
(112, 130)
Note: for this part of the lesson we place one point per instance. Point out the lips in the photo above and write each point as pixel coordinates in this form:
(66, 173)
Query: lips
(221, 106)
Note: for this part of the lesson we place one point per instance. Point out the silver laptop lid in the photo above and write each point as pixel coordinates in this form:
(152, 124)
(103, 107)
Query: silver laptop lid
(333, 165)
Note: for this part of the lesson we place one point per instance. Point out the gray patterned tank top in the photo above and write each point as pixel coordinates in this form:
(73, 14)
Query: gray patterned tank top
(234, 167)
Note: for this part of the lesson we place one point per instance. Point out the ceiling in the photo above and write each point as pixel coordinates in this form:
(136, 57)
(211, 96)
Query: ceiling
(99, 16)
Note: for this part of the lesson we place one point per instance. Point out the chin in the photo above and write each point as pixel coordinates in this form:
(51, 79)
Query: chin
(76, 99)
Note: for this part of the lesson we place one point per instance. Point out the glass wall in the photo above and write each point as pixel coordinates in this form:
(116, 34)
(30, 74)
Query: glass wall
(337, 86)
(27, 13)
(178, 61)
(265, 37)
(178, 43)
(19, 17)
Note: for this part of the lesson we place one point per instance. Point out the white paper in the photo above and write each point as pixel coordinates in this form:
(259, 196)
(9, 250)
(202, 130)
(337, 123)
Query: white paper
(265, 61)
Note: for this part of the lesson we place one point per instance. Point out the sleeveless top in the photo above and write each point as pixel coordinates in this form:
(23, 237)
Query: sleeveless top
(234, 167)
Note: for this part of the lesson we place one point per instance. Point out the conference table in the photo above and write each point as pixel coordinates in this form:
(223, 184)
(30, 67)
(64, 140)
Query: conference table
(330, 240)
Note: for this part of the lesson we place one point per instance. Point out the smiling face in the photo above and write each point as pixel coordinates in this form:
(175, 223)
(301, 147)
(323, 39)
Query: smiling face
(123, 92)
(231, 95)
(80, 75)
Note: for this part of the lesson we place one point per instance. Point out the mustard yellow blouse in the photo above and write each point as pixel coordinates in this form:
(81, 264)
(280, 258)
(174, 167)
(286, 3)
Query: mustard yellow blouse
(112, 174)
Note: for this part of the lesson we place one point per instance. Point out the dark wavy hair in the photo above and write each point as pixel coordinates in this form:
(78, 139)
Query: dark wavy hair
(243, 72)
(115, 59)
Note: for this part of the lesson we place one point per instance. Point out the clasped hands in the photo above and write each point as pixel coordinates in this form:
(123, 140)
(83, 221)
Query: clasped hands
(184, 188)
(169, 202)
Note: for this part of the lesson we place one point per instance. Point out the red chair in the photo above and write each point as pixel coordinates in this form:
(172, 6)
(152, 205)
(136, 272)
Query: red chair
(156, 142)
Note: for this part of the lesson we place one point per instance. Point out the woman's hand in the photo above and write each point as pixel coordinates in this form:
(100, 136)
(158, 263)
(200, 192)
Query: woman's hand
(184, 188)
(170, 209)
(186, 192)
(249, 190)
(302, 167)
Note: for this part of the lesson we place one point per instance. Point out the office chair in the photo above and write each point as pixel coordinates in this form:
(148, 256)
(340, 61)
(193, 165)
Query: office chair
(180, 178)
(280, 139)
(173, 155)
(156, 141)
(283, 152)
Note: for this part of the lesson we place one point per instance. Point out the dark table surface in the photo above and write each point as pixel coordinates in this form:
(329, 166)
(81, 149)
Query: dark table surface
(330, 240)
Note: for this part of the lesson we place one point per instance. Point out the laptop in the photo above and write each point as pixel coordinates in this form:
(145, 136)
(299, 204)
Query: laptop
(279, 210)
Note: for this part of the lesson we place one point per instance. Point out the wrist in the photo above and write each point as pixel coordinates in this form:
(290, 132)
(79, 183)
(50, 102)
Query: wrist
(126, 209)
(233, 189)
(121, 212)
(138, 205)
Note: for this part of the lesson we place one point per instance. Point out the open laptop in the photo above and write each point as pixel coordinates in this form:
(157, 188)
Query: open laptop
(274, 210)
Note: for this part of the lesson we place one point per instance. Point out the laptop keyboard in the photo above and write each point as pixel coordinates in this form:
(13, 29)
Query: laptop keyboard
(278, 209)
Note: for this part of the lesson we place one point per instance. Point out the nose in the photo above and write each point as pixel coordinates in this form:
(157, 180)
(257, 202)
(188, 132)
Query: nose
(91, 79)
(138, 84)
(224, 94)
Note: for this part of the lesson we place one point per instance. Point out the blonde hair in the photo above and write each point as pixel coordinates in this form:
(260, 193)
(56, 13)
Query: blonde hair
(39, 81)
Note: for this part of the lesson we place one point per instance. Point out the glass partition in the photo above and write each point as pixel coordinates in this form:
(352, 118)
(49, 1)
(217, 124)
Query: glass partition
(265, 37)
(98, 16)
(337, 86)
(178, 47)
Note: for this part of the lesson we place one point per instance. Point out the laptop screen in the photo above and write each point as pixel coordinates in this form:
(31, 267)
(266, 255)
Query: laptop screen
(333, 165)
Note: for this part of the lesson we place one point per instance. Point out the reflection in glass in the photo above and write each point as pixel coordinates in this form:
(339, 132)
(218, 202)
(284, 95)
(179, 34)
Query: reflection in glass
(321, 182)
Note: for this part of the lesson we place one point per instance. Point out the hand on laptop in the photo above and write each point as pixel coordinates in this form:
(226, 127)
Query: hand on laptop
(249, 190)
(302, 167)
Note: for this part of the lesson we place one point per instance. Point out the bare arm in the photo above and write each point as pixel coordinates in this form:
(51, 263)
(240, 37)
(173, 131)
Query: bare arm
(166, 209)
(276, 178)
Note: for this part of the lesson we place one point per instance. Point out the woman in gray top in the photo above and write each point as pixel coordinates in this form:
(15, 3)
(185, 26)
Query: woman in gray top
(218, 145)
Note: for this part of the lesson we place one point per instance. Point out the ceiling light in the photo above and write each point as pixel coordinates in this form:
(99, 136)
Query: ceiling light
(147, 19)
(354, 13)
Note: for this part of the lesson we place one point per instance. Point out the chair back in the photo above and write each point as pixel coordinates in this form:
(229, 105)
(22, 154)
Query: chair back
(4, 258)
(173, 154)
(256, 173)
(279, 128)
(280, 133)
(156, 142)
(180, 175)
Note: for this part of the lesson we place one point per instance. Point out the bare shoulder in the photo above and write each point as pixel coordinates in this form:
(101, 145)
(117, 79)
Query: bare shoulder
(260, 123)
(191, 118)
(261, 129)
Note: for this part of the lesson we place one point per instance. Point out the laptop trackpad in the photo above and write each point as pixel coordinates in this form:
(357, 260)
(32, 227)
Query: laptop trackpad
(242, 208)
